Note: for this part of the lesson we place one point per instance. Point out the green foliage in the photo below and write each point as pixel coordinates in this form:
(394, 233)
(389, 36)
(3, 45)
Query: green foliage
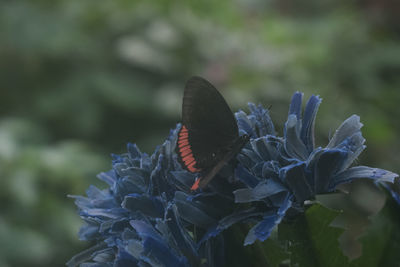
(38, 219)
(312, 240)
(380, 242)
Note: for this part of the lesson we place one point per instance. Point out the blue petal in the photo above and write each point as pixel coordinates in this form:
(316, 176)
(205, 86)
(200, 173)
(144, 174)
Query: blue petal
(358, 172)
(136, 174)
(96, 264)
(261, 120)
(266, 147)
(95, 193)
(114, 225)
(89, 232)
(159, 254)
(263, 229)
(85, 255)
(328, 164)
(192, 212)
(124, 259)
(245, 124)
(354, 145)
(180, 235)
(394, 194)
(349, 127)
(270, 169)
(295, 105)
(148, 205)
(145, 230)
(104, 255)
(109, 177)
(262, 190)
(127, 185)
(247, 178)
(293, 144)
(230, 220)
(113, 213)
(133, 151)
(184, 179)
(307, 129)
(298, 181)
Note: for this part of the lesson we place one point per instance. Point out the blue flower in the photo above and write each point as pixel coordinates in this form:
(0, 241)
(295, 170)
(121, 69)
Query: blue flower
(134, 221)
(148, 215)
(276, 174)
(291, 165)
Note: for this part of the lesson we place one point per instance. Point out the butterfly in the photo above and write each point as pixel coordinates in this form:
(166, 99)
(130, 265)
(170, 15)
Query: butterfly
(209, 136)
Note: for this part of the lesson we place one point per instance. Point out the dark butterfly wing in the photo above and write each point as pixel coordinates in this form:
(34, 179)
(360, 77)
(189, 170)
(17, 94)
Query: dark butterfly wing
(209, 120)
(209, 133)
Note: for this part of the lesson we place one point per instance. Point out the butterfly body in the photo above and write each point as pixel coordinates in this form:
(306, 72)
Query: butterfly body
(209, 135)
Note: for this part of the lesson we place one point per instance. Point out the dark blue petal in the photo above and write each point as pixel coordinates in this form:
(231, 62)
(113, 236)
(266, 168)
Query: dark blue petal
(109, 177)
(228, 221)
(263, 229)
(247, 157)
(250, 155)
(358, 172)
(148, 205)
(295, 105)
(327, 165)
(266, 148)
(270, 169)
(261, 120)
(133, 151)
(298, 181)
(88, 232)
(354, 145)
(262, 190)
(214, 203)
(349, 127)
(159, 254)
(85, 255)
(181, 236)
(193, 211)
(244, 124)
(104, 255)
(392, 191)
(95, 193)
(307, 129)
(113, 213)
(136, 174)
(96, 264)
(247, 178)
(145, 230)
(184, 179)
(294, 146)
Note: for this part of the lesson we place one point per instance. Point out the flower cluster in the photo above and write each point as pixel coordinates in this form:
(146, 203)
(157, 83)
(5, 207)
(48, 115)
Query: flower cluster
(147, 216)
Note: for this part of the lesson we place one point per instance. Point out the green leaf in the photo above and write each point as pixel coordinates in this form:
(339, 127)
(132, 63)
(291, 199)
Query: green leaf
(267, 253)
(312, 241)
(381, 242)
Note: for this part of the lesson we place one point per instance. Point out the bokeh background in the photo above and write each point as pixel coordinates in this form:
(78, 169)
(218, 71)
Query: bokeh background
(81, 78)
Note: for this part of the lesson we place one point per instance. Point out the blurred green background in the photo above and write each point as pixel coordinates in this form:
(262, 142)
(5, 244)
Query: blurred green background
(81, 78)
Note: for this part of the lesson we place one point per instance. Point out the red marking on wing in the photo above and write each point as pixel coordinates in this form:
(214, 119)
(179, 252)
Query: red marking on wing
(195, 186)
(183, 143)
(185, 150)
(188, 159)
(182, 140)
(182, 135)
(183, 129)
(191, 168)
